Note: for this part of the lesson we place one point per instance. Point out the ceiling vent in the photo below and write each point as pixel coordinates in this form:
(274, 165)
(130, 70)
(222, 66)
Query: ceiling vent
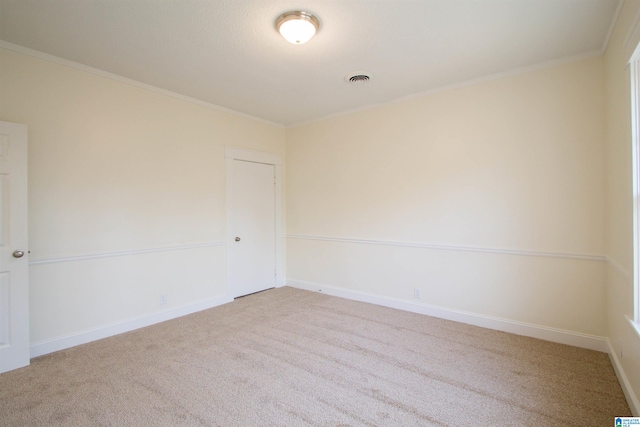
(357, 78)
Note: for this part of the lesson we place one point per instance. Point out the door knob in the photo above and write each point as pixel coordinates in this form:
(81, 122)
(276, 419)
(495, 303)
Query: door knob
(18, 254)
(237, 239)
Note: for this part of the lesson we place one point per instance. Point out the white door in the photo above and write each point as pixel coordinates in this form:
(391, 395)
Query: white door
(14, 273)
(252, 238)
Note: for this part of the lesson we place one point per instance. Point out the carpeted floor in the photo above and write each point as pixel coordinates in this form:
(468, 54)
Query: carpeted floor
(292, 358)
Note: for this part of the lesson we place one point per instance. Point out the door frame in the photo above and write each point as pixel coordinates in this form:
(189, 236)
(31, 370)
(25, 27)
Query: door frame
(235, 153)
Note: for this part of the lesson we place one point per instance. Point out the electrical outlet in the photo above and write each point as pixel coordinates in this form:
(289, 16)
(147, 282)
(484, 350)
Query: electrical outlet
(163, 299)
(417, 293)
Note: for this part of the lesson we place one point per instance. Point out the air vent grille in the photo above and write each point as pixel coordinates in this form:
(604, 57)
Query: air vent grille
(357, 78)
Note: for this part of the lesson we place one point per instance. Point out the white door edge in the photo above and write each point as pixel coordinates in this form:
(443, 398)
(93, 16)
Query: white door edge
(14, 281)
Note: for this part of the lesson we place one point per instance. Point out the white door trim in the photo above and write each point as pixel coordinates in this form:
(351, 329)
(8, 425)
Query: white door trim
(235, 153)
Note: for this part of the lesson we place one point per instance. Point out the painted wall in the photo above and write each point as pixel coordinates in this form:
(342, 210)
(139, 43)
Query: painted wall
(619, 204)
(115, 168)
(487, 198)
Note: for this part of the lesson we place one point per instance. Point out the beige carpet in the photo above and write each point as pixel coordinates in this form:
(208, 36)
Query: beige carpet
(292, 358)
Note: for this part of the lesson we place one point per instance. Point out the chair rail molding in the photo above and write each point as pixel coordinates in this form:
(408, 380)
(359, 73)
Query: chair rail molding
(125, 253)
(584, 257)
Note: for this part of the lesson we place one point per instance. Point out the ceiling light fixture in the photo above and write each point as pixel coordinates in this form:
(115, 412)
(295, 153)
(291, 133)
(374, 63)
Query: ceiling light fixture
(297, 27)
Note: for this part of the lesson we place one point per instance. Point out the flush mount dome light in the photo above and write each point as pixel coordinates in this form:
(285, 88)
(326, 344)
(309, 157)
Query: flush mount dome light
(297, 27)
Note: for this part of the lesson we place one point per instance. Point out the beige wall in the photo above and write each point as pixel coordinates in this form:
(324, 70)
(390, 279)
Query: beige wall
(619, 201)
(508, 165)
(113, 168)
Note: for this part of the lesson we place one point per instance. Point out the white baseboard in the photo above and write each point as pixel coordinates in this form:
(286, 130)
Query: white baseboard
(632, 399)
(577, 339)
(60, 343)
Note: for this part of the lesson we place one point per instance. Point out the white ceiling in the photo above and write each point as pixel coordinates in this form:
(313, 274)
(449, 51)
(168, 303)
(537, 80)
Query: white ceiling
(228, 53)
